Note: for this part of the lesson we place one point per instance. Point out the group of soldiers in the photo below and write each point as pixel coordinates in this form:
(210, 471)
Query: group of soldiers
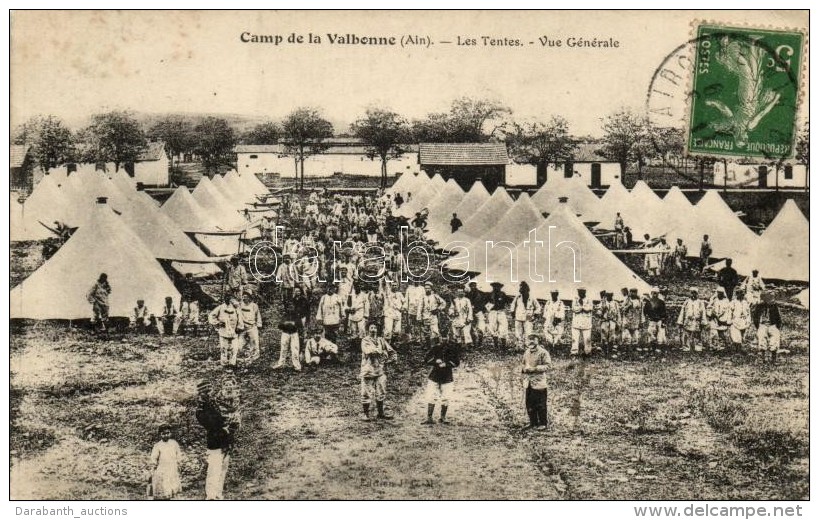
(334, 306)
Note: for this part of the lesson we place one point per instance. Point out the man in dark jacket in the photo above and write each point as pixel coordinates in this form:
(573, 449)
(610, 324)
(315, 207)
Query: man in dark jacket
(478, 301)
(220, 434)
(768, 323)
(655, 312)
(728, 278)
(455, 224)
(442, 357)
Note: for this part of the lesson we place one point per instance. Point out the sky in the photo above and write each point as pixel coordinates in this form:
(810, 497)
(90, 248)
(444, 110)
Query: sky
(73, 64)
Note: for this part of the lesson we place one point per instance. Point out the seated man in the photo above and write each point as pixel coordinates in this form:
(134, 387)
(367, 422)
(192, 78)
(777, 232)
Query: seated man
(141, 318)
(191, 295)
(168, 322)
(319, 349)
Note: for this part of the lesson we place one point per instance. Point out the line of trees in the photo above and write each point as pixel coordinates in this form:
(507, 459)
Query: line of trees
(628, 137)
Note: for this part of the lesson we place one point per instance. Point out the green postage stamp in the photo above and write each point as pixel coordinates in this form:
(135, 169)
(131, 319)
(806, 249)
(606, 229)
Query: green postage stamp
(745, 93)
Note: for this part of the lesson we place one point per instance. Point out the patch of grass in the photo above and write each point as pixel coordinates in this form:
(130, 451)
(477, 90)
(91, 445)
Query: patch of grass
(723, 413)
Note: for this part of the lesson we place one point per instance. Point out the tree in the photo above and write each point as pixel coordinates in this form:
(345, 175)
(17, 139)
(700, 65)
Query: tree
(52, 143)
(542, 144)
(214, 141)
(303, 133)
(263, 133)
(470, 116)
(177, 134)
(624, 139)
(645, 147)
(670, 143)
(466, 122)
(114, 137)
(383, 132)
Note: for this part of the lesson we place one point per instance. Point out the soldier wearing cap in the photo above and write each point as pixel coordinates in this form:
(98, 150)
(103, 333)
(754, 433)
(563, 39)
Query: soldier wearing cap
(719, 312)
(554, 317)
(768, 323)
(632, 318)
(477, 298)
(460, 312)
(330, 312)
(581, 323)
(654, 311)
(252, 318)
(169, 319)
(740, 319)
(524, 308)
(498, 325)
(221, 424)
(609, 319)
(443, 358)
(375, 354)
(753, 286)
(228, 323)
(431, 304)
(140, 317)
(691, 320)
(235, 278)
(394, 306)
(536, 362)
(319, 349)
(286, 277)
(415, 293)
(357, 307)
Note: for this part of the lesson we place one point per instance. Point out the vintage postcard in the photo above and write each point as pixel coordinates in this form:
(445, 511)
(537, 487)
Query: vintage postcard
(423, 255)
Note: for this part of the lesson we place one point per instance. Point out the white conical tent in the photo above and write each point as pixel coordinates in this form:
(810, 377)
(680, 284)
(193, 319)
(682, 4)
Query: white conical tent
(580, 198)
(183, 209)
(473, 199)
(729, 236)
(58, 289)
(513, 227)
(411, 192)
(159, 232)
(242, 189)
(216, 205)
(676, 217)
(46, 205)
(484, 217)
(645, 211)
(187, 213)
(249, 182)
(440, 208)
(219, 183)
(466, 208)
(616, 198)
(675, 200)
(782, 251)
(406, 182)
(123, 181)
(570, 258)
(420, 200)
(239, 201)
(81, 191)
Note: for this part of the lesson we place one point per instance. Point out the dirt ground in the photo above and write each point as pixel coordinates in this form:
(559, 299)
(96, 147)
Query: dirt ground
(85, 411)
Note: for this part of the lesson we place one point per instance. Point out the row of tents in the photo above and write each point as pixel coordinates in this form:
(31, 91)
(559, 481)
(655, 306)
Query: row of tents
(565, 211)
(125, 233)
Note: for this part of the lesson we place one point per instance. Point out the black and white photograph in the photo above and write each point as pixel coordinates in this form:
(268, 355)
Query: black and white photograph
(409, 255)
